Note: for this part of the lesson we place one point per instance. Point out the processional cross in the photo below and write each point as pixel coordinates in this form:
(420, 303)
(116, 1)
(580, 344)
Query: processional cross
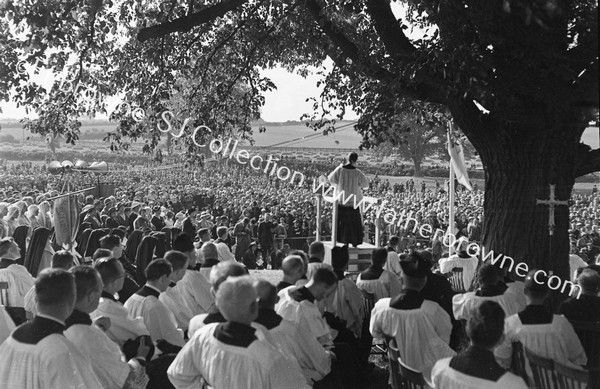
(551, 203)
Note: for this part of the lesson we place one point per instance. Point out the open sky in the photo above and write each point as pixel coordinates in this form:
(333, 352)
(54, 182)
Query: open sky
(287, 102)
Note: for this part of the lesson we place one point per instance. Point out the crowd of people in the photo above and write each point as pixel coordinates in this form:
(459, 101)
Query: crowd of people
(157, 292)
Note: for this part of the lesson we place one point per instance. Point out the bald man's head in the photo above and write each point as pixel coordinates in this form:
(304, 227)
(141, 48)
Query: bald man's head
(267, 294)
(236, 300)
(222, 270)
(209, 251)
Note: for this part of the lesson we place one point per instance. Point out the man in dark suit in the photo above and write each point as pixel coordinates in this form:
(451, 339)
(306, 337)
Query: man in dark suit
(265, 238)
(188, 222)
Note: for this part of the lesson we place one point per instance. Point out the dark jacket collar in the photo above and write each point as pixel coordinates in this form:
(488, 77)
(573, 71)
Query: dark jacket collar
(109, 296)
(235, 334)
(36, 330)
(268, 318)
(302, 293)
(146, 291)
(78, 317)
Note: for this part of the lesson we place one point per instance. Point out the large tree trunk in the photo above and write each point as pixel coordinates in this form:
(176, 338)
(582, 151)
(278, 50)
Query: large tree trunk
(417, 164)
(521, 161)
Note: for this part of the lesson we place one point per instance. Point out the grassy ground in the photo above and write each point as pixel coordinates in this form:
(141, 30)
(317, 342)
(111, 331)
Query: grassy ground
(379, 376)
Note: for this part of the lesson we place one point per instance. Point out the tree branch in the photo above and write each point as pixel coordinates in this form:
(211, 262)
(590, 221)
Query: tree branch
(348, 48)
(588, 162)
(188, 22)
(388, 28)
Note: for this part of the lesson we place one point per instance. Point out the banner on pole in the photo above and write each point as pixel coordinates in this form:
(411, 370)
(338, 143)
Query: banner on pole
(457, 159)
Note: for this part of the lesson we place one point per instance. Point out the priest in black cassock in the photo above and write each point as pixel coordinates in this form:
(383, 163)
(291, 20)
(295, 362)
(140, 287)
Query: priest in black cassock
(349, 180)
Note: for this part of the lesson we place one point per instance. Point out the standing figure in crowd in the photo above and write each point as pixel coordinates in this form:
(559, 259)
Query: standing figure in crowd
(350, 181)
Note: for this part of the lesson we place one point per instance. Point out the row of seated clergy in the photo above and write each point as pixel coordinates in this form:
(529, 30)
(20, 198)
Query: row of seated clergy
(37, 355)
(545, 334)
(420, 327)
(189, 295)
(245, 336)
(510, 296)
(314, 342)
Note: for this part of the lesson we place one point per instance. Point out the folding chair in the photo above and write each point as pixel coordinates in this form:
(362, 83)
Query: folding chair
(4, 294)
(456, 280)
(412, 379)
(542, 370)
(518, 361)
(570, 378)
(376, 347)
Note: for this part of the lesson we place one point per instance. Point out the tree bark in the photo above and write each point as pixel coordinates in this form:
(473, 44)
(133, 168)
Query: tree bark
(521, 161)
(417, 164)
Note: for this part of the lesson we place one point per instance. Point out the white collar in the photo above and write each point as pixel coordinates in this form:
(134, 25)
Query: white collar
(152, 287)
(51, 318)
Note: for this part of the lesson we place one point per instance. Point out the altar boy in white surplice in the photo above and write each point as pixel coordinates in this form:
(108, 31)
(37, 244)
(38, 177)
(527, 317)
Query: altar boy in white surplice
(233, 354)
(421, 327)
(123, 326)
(107, 360)
(476, 367)
(510, 298)
(18, 278)
(550, 336)
(37, 355)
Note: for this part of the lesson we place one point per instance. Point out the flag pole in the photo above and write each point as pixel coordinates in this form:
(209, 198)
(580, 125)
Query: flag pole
(451, 196)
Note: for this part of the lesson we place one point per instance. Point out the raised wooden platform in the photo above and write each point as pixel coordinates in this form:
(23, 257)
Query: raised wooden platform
(360, 257)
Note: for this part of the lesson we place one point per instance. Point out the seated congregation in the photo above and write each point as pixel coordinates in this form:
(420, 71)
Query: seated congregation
(186, 322)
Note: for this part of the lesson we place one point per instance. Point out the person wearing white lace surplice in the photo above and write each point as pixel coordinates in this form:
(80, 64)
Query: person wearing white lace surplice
(476, 367)
(123, 326)
(292, 339)
(463, 260)
(510, 299)
(7, 325)
(18, 278)
(37, 355)
(545, 334)
(233, 354)
(420, 327)
(349, 180)
(108, 362)
(376, 280)
(159, 320)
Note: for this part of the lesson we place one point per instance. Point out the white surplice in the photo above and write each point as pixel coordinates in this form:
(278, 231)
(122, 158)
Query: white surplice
(19, 282)
(260, 365)
(393, 264)
(557, 341)
(307, 315)
(346, 303)
(194, 288)
(123, 326)
(387, 285)
(7, 325)
(159, 320)
(173, 300)
(52, 363)
(443, 376)
(296, 341)
(469, 266)
(105, 355)
(512, 301)
(422, 334)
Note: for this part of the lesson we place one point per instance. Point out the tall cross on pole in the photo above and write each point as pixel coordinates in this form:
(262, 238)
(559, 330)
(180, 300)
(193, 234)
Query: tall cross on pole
(551, 202)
